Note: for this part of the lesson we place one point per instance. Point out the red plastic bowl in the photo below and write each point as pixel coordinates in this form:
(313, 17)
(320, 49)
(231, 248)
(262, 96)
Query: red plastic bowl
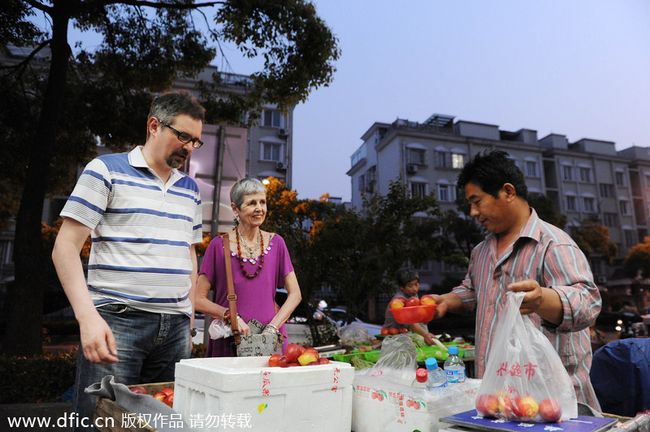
(414, 314)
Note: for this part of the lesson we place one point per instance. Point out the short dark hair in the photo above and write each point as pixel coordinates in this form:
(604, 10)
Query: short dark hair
(169, 105)
(405, 276)
(491, 170)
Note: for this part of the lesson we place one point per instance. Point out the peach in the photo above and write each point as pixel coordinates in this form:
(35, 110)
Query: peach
(487, 405)
(427, 300)
(550, 410)
(525, 407)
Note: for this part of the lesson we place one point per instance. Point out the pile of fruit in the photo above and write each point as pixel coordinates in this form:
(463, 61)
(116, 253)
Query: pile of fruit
(518, 408)
(413, 310)
(296, 355)
(387, 331)
(165, 395)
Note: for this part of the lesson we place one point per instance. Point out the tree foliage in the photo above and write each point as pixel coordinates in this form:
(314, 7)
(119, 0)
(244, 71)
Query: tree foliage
(593, 239)
(61, 104)
(638, 259)
(547, 210)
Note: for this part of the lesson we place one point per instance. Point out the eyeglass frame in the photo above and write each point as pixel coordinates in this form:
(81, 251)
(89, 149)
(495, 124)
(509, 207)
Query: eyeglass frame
(196, 143)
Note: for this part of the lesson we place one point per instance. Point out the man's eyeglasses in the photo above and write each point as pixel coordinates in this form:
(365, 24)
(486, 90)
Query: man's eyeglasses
(183, 137)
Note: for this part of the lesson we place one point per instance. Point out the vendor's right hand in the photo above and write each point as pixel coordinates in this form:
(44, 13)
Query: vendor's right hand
(97, 340)
(441, 306)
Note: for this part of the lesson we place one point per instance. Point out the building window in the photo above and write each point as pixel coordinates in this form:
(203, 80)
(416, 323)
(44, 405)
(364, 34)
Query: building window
(440, 159)
(610, 219)
(624, 206)
(362, 183)
(567, 173)
(418, 190)
(585, 174)
(457, 160)
(606, 190)
(630, 238)
(415, 156)
(446, 193)
(571, 203)
(531, 169)
(271, 151)
(589, 204)
(620, 178)
(273, 118)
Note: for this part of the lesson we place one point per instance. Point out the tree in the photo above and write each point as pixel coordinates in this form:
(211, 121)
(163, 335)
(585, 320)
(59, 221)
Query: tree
(74, 98)
(547, 210)
(637, 261)
(593, 239)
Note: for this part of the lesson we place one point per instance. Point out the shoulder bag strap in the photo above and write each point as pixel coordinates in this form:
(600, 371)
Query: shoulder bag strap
(232, 297)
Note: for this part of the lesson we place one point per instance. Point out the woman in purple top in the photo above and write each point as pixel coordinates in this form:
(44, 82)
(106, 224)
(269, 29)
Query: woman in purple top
(260, 263)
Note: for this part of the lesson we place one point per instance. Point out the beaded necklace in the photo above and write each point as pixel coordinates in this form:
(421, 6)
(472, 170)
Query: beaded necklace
(241, 258)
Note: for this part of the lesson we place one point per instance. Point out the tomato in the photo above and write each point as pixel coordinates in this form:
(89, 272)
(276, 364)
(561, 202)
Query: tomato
(385, 331)
(413, 301)
(393, 331)
(274, 360)
(293, 351)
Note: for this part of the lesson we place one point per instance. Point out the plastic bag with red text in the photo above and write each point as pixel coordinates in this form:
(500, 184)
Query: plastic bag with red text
(524, 378)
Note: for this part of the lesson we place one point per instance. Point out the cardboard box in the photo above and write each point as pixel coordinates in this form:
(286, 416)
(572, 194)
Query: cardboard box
(247, 394)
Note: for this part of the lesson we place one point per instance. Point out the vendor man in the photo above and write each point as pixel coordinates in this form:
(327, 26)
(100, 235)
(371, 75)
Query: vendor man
(523, 253)
(409, 285)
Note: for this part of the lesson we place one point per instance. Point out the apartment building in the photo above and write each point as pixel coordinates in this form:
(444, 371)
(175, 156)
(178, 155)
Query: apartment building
(586, 179)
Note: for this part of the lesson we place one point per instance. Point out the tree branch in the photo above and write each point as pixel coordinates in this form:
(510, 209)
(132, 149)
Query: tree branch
(40, 6)
(29, 58)
(165, 5)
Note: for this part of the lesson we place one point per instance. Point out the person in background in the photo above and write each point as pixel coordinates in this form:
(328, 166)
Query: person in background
(260, 264)
(144, 216)
(523, 253)
(409, 286)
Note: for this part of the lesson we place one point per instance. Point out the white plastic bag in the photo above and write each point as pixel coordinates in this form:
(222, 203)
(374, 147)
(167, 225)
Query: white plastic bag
(524, 377)
(219, 329)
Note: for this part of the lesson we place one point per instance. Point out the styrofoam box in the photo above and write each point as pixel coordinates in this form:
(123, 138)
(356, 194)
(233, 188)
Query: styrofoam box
(379, 405)
(247, 394)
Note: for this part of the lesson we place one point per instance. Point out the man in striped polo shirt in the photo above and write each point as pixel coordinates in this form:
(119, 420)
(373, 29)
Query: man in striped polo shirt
(523, 253)
(144, 218)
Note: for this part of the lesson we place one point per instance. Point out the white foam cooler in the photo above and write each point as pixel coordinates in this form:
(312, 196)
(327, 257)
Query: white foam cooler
(248, 394)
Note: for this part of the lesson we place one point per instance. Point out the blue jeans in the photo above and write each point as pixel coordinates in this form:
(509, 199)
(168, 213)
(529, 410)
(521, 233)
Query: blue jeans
(148, 347)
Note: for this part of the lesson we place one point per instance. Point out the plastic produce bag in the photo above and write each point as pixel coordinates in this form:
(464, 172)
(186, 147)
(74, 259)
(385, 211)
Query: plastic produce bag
(524, 377)
(353, 334)
(397, 360)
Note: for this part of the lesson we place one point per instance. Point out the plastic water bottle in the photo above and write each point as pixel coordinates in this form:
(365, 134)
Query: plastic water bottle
(437, 376)
(421, 377)
(454, 366)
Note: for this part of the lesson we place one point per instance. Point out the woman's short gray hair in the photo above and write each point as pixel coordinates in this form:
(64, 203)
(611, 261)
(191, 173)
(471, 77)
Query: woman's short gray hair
(243, 187)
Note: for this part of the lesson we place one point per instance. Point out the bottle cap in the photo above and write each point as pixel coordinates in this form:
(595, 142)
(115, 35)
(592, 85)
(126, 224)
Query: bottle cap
(421, 375)
(452, 350)
(431, 363)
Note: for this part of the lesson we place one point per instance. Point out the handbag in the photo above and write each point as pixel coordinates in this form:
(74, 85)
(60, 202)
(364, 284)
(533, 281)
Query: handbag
(257, 344)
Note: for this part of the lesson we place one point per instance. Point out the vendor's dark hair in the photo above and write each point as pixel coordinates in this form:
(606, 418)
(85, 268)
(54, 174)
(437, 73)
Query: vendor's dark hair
(405, 276)
(491, 170)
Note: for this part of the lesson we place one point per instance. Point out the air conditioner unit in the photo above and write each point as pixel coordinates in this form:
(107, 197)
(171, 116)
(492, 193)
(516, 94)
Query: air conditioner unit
(282, 133)
(280, 167)
(411, 168)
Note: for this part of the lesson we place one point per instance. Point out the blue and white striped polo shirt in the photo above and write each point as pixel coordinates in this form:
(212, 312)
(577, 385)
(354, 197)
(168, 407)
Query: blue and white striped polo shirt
(142, 230)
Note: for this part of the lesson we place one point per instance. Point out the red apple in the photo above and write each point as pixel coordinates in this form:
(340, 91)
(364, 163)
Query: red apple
(274, 360)
(525, 407)
(413, 301)
(505, 405)
(323, 360)
(293, 352)
(139, 390)
(427, 300)
(169, 400)
(167, 390)
(487, 405)
(283, 362)
(397, 303)
(550, 410)
(160, 396)
(393, 331)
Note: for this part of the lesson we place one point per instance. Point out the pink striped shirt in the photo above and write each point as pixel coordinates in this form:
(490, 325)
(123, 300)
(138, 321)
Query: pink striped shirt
(548, 255)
